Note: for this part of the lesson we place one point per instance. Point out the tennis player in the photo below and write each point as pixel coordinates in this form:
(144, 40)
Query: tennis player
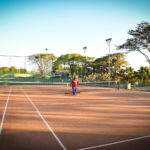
(74, 83)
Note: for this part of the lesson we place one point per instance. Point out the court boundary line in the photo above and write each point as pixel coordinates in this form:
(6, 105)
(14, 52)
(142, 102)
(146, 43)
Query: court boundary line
(41, 116)
(113, 143)
(59, 104)
(5, 109)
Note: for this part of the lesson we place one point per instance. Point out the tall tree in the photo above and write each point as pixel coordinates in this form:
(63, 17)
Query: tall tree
(140, 41)
(73, 62)
(127, 74)
(44, 62)
(144, 74)
(13, 69)
(117, 60)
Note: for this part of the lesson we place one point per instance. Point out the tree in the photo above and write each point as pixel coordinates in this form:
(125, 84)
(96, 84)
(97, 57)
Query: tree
(127, 74)
(4, 70)
(72, 62)
(117, 60)
(22, 70)
(144, 74)
(44, 62)
(140, 41)
(13, 69)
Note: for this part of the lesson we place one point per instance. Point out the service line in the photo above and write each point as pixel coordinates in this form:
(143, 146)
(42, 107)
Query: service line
(3, 118)
(48, 126)
(119, 142)
(59, 104)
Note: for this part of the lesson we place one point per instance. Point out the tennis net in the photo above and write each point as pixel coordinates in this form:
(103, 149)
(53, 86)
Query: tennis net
(112, 84)
(100, 84)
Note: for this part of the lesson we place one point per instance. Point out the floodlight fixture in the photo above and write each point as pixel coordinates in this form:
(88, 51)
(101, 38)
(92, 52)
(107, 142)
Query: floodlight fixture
(85, 49)
(46, 49)
(108, 41)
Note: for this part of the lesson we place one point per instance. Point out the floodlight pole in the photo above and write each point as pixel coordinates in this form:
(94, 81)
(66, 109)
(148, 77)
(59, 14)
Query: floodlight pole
(24, 62)
(108, 41)
(85, 49)
(10, 61)
(46, 49)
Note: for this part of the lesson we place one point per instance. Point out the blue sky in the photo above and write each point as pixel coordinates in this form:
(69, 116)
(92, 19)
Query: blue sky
(66, 26)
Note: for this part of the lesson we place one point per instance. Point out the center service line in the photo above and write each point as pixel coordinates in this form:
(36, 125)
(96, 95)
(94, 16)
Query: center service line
(3, 118)
(48, 126)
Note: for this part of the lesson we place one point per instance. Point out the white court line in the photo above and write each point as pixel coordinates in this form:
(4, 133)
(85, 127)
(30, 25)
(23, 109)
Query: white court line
(3, 118)
(59, 104)
(119, 142)
(48, 126)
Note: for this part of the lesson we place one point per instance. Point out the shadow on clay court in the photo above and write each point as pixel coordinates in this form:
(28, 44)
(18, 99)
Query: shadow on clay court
(40, 140)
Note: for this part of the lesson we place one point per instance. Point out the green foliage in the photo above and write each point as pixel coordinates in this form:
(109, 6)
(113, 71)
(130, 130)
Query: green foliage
(130, 75)
(100, 65)
(72, 62)
(127, 74)
(140, 41)
(44, 62)
(86, 68)
(4, 70)
(144, 74)
(12, 70)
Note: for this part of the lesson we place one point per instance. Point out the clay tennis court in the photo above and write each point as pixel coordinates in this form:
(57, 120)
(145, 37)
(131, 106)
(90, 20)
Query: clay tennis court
(45, 118)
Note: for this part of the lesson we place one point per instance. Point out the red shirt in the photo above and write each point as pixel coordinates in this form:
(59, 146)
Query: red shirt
(74, 82)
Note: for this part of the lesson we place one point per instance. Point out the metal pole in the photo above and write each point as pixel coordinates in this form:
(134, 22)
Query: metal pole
(9, 61)
(108, 41)
(24, 62)
(109, 65)
(46, 60)
(85, 49)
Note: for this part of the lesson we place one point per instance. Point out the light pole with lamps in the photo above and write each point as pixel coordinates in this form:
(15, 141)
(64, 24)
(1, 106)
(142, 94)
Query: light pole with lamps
(85, 49)
(49, 62)
(46, 49)
(9, 61)
(108, 41)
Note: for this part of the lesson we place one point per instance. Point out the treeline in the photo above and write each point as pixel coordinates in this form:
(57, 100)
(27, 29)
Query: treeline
(86, 68)
(12, 70)
(91, 69)
(129, 74)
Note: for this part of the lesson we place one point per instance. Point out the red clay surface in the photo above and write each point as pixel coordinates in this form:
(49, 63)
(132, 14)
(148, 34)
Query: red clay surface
(95, 117)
